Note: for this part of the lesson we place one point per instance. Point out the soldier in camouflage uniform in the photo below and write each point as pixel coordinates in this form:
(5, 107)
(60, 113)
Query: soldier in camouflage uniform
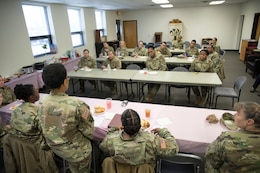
(114, 63)
(66, 121)
(237, 151)
(178, 44)
(201, 64)
(7, 93)
(106, 48)
(2, 130)
(133, 150)
(155, 62)
(122, 49)
(217, 62)
(213, 42)
(192, 50)
(87, 62)
(164, 50)
(140, 50)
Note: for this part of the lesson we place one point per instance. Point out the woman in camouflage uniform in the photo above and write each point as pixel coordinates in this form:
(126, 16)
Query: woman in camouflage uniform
(237, 151)
(133, 150)
(201, 64)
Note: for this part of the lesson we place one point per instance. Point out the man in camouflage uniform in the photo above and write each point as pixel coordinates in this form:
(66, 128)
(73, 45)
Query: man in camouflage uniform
(87, 62)
(114, 63)
(133, 147)
(106, 48)
(66, 121)
(155, 62)
(140, 50)
(201, 64)
(237, 151)
(213, 42)
(217, 62)
(192, 50)
(164, 50)
(122, 49)
(178, 44)
(7, 93)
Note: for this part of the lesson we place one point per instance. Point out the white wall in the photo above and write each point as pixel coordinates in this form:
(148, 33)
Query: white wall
(202, 22)
(15, 44)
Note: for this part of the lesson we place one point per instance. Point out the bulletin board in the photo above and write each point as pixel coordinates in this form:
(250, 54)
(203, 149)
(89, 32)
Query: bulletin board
(174, 30)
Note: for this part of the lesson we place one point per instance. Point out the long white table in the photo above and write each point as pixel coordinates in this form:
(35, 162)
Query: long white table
(188, 125)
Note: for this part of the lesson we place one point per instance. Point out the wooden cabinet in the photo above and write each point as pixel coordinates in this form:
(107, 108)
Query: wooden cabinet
(157, 37)
(246, 44)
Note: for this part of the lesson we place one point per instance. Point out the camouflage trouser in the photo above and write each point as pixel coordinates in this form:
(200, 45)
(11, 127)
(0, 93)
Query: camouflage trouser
(110, 166)
(152, 90)
(82, 166)
(203, 92)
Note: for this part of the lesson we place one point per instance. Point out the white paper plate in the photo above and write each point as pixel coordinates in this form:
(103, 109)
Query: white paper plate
(153, 72)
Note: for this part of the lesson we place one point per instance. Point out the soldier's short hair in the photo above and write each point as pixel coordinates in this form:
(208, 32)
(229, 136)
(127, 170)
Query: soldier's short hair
(151, 47)
(54, 75)
(24, 91)
(205, 50)
(131, 121)
(251, 109)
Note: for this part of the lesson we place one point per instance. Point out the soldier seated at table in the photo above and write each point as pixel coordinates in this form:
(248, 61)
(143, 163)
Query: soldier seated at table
(140, 50)
(133, 150)
(106, 48)
(7, 93)
(178, 43)
(154, 62)
(122, 49)
(237, 151)
(213, 42)
(192, 50)
(112, 62)
(163, 49)
(87, 62)
(201, 64)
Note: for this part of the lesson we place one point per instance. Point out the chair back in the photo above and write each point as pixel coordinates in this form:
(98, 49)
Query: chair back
(180, 69)
(187, 43)
(197, 45)
(99, 65)
(180, 163)
(240, 81)
(133, 67)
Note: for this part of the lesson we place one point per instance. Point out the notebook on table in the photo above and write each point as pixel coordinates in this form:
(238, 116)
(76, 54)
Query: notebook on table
(116, 121)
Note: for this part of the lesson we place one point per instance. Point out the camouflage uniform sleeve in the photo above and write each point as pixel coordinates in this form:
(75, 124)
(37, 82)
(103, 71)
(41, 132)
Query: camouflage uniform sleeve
(118, 64)
(166, 144)
(211, 67)
(107, 145)
(86, 121)
(112, 49)
(192, 67)
(94, 63)
(169, 54)
(215, 154)
(80, 65)
(105, 63)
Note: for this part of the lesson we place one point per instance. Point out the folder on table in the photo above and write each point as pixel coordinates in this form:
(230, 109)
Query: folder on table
(116, 121)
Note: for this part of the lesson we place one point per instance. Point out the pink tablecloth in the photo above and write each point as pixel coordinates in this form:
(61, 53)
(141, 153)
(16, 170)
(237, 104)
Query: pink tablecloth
(187, 124)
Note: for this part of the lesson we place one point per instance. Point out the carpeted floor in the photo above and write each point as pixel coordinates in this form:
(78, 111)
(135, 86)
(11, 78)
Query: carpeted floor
(233, 69)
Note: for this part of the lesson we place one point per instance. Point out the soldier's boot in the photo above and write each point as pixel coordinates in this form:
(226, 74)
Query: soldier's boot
(203, 101)
(197, 101)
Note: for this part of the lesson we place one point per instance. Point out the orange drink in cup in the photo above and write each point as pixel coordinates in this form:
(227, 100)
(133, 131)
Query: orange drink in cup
(147, 113)
(109, 103)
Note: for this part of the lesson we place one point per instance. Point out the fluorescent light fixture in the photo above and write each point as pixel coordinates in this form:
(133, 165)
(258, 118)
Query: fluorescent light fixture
(166, 6)
(216, 2)
(160, 1)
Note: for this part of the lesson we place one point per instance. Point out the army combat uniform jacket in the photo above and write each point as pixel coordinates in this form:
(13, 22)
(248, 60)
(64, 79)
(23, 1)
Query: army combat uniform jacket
(157, 63)
(115, 63)
(202, 66)
(234, 152)
(121, 51)
(67, 125)
(140, 52)
(192, 51)
(8, 95)
(105, 51)
(165, 52)
(140, 149)
(177, 45)
(87, 62)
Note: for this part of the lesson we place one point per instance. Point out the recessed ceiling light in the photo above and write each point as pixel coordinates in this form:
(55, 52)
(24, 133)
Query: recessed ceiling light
(216, 2)
(166, 6)
(160, 1)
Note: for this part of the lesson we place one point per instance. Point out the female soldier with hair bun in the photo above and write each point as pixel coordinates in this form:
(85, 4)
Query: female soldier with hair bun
(133, 150)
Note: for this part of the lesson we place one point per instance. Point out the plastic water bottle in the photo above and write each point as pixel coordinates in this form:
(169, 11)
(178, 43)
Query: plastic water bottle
(108, 67)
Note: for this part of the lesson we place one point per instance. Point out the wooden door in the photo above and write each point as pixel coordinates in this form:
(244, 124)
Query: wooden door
(130, 33)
